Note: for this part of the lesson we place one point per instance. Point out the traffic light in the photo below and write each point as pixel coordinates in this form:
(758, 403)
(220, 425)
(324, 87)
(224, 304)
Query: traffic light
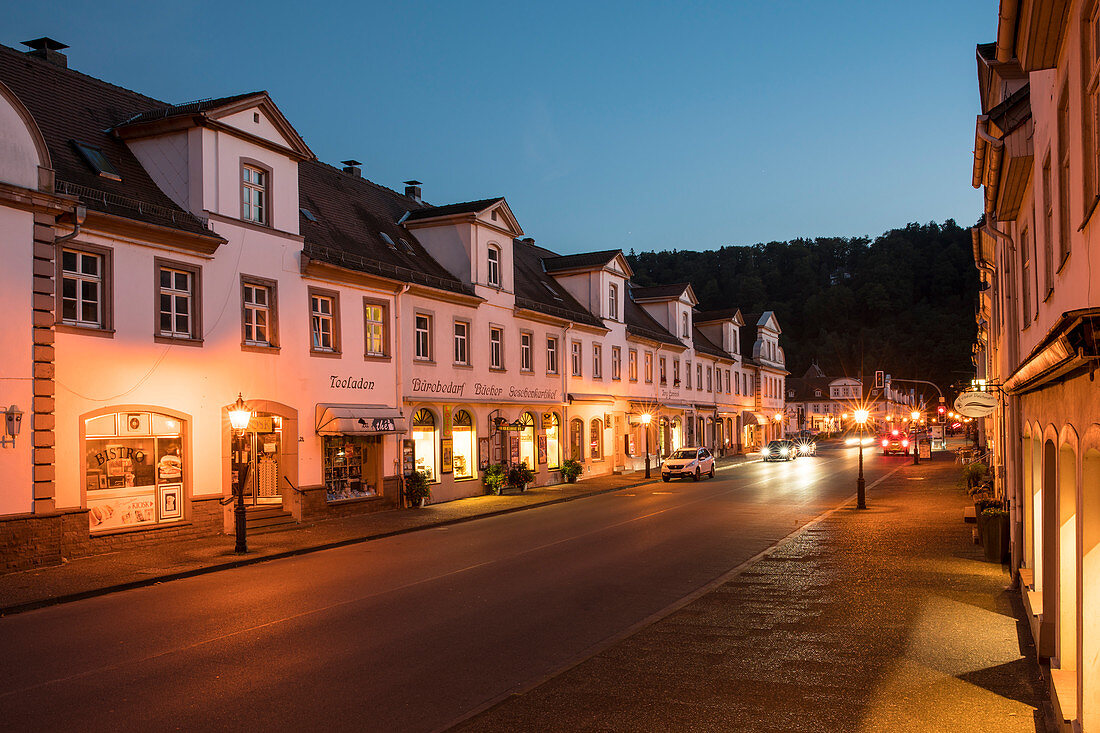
(880, 379)
(942, 411)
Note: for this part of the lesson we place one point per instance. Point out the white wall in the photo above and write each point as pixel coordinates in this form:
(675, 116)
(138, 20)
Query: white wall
(16, 238)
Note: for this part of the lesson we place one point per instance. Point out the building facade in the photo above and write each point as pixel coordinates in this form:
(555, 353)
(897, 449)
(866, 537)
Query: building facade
(165, 259)
(1036, 158)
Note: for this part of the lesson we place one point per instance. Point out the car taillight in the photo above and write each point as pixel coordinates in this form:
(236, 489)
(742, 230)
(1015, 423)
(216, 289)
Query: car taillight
(885, 442)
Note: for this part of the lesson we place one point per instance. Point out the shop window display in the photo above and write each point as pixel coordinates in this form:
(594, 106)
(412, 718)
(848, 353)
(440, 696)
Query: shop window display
(464, 444)
(424, 439)
(350, 465)
(134, 470)
(527, 442)
(553, 442)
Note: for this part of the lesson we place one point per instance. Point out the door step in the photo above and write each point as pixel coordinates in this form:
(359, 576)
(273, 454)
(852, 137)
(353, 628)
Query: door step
(267, 515)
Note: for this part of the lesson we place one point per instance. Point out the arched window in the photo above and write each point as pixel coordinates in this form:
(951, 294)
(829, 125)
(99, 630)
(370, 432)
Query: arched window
(576, 439)
(464, 444)
(527, 441)
(493, 276)
(595, 439)
(553, 442)
(424, 442)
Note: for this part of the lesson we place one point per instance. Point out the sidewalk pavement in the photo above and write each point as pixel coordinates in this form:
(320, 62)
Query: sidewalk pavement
(880, 620)
(115, 571)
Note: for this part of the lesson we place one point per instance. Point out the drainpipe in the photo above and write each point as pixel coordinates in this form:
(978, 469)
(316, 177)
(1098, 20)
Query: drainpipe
(996, 154)
(79, 214)
(1006, 30)
(400, 385)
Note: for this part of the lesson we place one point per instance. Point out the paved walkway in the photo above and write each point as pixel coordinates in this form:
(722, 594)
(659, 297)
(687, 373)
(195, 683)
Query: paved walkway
(98, 574)
(883, 620)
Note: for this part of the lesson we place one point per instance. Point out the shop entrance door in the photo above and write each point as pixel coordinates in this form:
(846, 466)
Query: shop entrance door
(262, 442)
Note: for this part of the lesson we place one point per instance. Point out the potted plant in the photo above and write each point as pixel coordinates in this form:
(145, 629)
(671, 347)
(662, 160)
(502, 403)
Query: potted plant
(570, 469)
(494, 477)
(417, 489)
(519, 476)
(993, 530)
(972, 475)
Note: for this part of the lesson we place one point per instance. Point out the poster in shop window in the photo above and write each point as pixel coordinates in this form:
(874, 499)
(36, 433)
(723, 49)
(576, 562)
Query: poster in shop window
(513, 448)
(542, 450)
(483, 453)
(171, 505)
(408, 456)
(447, 447)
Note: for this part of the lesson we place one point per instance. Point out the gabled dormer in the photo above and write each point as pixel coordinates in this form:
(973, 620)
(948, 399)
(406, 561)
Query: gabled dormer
(670, 305)
(232, 159)
(473, 240)
(760, 339)
(723, 327)
(598, 280)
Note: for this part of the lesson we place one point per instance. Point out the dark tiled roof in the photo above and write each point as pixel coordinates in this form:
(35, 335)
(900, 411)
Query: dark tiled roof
(583, 259)
(671, 290)
(537, 291)
(748, 334)
(466, 207)
(706, 346)
(814, 372)
(188, 108)
(719, 315)
(67, 106)
(351, 216)
(804, 388)
(1014, 111)
(987, 51)
(641, 324)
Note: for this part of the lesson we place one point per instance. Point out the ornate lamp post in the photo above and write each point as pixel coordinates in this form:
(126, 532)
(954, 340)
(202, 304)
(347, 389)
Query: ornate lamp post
(646, 418)
(239, 417)
(915, 415)
(861, 494)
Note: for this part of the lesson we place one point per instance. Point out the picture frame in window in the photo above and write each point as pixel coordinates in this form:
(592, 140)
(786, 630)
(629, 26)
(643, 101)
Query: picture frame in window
(542, 450)
(482, 453)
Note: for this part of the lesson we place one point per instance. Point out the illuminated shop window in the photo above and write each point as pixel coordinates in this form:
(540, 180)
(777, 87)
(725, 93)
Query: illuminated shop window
(424, 440)
(553, 442)
(134, 470)
(352, 466)
(527, 442)
(464, 442)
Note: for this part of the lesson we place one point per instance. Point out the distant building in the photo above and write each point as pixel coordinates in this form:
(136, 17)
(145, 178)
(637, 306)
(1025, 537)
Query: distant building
(823, 404)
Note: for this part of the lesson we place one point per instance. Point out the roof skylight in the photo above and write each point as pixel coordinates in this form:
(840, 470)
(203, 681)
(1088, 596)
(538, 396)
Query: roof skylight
(387, 239)
(308, 214)
(97, 161)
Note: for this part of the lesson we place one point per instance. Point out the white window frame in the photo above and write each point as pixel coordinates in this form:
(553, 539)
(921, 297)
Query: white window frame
(254, 312)
(461, 343)
(551, 355)
(422, 336)
(496, 347)
(613, 302)
(576, 351)
(492, 276)
(616, 363)
(175, 295)
(597, 361)
(525, 351)
(80, 278)
(255, 184)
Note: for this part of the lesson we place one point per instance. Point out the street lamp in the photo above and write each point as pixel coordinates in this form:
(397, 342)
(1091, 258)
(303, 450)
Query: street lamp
(916, 437)
(861, 494)
(646, 417)
(239, 417)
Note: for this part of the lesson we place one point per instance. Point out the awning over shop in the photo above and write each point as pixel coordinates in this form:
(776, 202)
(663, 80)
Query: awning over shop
(359, 420)
(749, 418)
(706, 409)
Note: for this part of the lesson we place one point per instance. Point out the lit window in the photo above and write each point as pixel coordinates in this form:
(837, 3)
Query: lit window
(423, 336)
(595, 437)
(494, 266)
(496, 348)
(461, 352)
(374, 329)
(82, 281)
(253, 194)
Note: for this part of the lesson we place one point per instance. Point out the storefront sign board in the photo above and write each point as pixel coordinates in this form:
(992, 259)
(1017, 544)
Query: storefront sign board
(976, 404)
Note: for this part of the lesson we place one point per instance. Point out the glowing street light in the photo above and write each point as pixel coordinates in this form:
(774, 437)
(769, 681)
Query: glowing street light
(916, 437)
(239, 417)
(646, 418)
(861, 494)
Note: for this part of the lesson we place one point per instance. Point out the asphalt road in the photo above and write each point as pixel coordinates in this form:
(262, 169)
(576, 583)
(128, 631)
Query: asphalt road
(410, 633)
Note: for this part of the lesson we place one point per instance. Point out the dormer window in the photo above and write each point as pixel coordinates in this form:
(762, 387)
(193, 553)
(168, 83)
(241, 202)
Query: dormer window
(254, 183)
(613, 302)
(494, 266)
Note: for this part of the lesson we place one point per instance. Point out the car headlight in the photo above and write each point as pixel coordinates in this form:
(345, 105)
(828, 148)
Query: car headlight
(803, 448)
(784, 451)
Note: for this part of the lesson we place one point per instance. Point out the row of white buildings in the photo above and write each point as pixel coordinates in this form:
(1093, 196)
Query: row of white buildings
(162, 259)
(1037, 161)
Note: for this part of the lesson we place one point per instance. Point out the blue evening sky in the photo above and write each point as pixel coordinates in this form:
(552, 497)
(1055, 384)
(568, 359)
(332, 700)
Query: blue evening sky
(645, 125)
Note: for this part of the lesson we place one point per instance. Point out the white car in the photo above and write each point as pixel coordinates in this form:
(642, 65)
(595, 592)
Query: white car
(688, 463)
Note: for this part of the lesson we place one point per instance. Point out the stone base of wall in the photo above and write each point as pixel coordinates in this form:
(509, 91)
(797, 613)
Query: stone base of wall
(39, 540)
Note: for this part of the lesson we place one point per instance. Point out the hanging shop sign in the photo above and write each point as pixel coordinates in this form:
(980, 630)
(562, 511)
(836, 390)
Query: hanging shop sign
(976, 404)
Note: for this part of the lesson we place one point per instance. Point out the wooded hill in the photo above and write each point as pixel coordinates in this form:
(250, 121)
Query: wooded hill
(903, 303)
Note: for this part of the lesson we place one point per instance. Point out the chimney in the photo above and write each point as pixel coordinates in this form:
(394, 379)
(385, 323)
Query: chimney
(412, 190)
(49, 50)
(351, 167)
